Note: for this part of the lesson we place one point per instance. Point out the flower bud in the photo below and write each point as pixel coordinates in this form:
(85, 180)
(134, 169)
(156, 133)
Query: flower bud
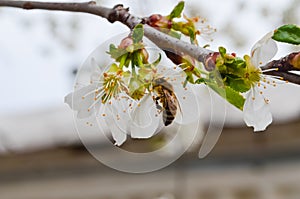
(155, 18)
(159, 21)
(145, 55)
(210, 63)
(295, 61)
(127, 41)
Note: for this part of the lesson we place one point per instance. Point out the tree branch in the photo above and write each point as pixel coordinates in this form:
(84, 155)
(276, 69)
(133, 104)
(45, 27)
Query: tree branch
(284, 67)
(86, 7)
(287, 76)
(162, 40)
(285, 64)
(118, 13)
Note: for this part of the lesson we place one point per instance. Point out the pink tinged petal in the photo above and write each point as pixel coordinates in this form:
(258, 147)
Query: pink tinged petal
(145, 119)
(188, 110)
(264, 50)
(82, 100)
(256, 111)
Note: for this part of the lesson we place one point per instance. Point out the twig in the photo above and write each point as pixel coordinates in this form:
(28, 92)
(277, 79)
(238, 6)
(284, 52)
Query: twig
(118, 13)
(121, 14)
(86, 7)
(283, 68)
(287, 76)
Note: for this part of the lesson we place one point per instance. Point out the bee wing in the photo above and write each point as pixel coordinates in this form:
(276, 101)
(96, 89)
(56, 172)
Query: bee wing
(171, 101)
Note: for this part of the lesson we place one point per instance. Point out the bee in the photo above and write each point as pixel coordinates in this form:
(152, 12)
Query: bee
(166, 100)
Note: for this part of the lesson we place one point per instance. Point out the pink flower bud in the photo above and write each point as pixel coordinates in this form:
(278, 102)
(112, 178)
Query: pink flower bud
(127, 41)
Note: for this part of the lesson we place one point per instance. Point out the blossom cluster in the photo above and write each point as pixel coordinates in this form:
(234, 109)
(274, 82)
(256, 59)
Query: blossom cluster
(135, 97)
(138, 97)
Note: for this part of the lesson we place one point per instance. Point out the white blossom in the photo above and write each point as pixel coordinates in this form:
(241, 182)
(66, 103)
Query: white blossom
(105, 96)
(256, 108)
(148, 119)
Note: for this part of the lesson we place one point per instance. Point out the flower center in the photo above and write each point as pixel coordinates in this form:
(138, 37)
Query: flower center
(112, 85)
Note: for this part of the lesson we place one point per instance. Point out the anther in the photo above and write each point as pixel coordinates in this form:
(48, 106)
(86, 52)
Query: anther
(267, 101)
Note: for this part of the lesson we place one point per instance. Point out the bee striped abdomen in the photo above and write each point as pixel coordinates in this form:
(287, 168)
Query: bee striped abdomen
(168, 117)
(167, 99)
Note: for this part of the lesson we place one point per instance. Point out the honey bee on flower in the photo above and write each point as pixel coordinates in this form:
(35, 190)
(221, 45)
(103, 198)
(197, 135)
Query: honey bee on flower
(134, 96)
(165, 101)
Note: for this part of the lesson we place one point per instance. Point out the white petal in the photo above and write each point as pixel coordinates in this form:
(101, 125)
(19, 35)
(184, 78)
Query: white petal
(81, 101)
(145, 118)
(119, 108)
(188, 110)
(256, 111)
(174, 75)
(264, 50)
(97, 72)
(188, 103)
(118, 134)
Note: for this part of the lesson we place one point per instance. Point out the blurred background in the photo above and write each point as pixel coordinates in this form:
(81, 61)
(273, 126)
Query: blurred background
(41, 155)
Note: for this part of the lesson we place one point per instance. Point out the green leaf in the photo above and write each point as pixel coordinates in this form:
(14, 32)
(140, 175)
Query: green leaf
(288, 34)
(192, 35)
(116, 53)
(200, 81)
(222, 51)
(240, 63)
(237, 84)
(176, 12)
(232, 96)
(138, 33)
